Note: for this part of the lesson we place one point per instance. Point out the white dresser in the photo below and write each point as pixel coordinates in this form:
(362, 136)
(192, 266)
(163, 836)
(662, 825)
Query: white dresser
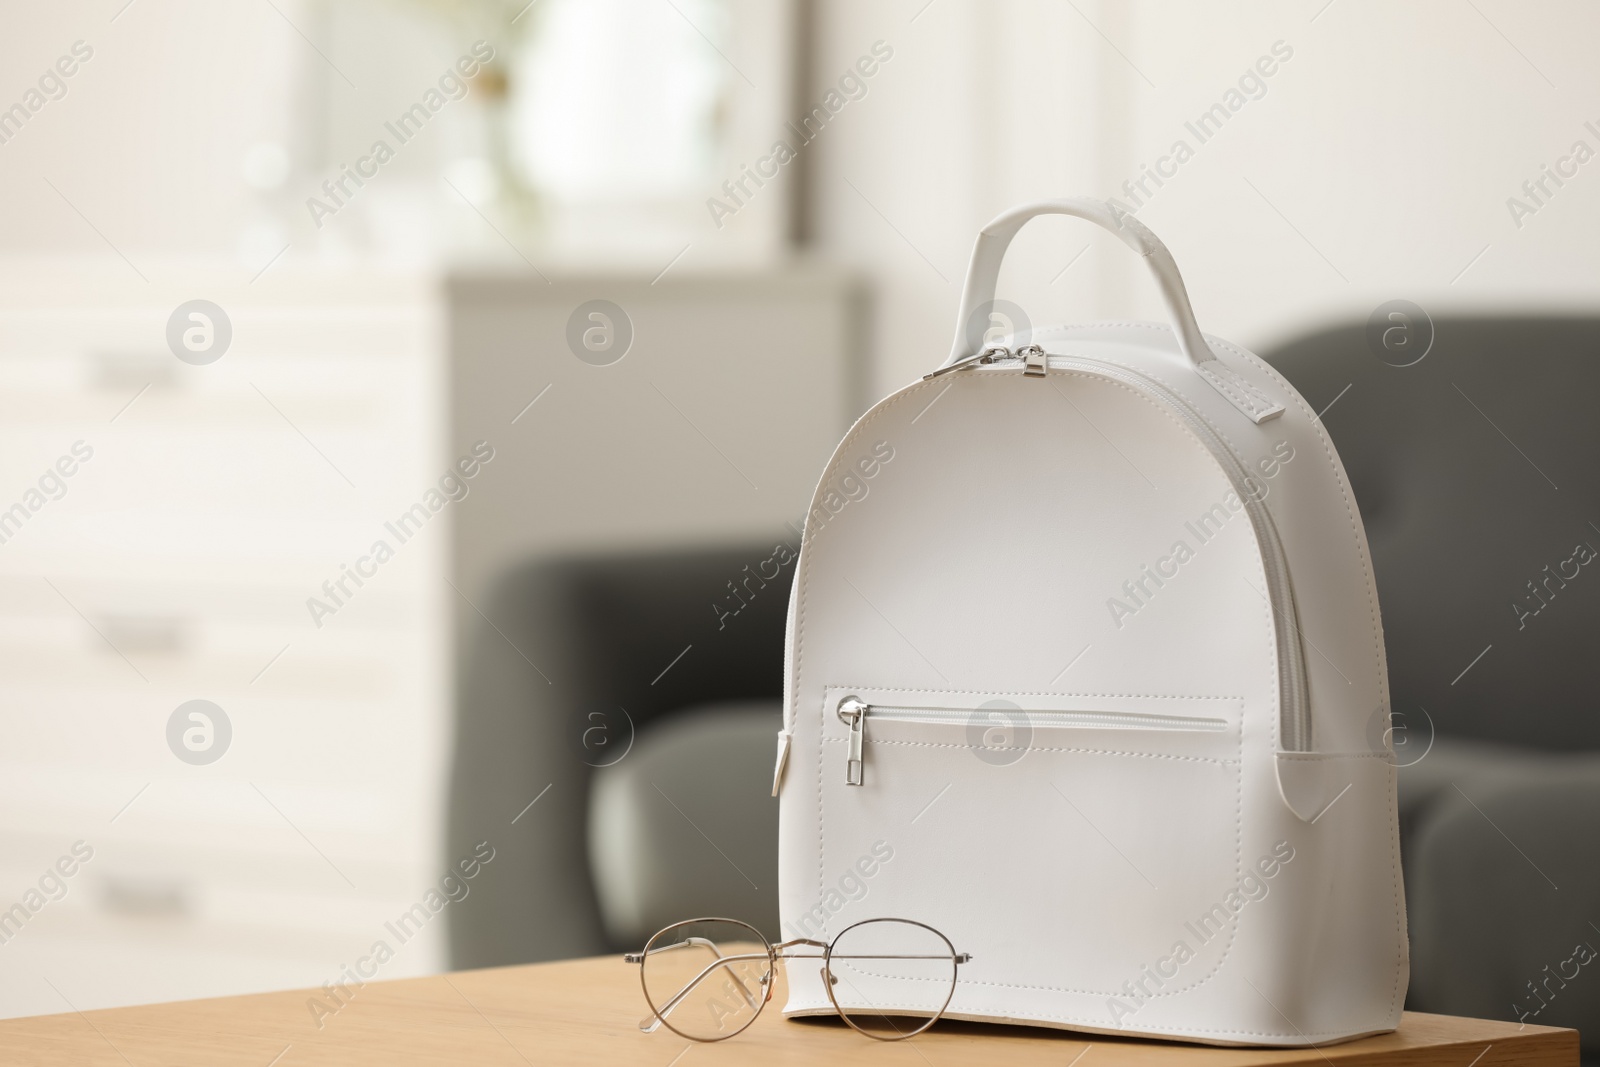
(176, 565)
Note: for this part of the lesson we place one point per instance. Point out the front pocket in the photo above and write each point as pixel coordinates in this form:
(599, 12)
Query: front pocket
(1067, 841)
(998, 726)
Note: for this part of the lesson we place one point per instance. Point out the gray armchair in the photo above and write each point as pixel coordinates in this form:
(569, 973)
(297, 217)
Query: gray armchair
(1455, 463)
(633, 701)
(1475, 473)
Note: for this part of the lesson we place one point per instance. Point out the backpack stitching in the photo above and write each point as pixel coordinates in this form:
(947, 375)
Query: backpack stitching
(1240, 391)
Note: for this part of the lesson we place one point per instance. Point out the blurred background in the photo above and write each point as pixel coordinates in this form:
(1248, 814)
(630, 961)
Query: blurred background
(417, 384)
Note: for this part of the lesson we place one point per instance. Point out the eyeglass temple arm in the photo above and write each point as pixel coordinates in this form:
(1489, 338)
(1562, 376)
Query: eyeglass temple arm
(960, 957)
(688, 942)
(653, 1021)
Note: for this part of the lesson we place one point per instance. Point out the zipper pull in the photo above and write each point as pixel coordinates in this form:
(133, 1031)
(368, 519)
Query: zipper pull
(988, 355)
(853, 712)
(1033, 359)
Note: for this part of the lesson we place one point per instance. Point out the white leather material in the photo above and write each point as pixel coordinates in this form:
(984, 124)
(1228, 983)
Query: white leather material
(1246, 397)
(1107, 871)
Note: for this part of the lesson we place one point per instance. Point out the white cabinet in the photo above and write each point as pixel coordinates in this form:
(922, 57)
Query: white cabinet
(175, 564)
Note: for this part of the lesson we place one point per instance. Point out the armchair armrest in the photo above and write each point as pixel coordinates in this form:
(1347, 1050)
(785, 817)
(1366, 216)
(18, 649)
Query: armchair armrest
(1505, 895)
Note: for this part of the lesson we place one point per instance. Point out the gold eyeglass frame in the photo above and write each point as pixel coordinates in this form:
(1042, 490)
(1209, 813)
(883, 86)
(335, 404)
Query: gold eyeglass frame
(774, 953)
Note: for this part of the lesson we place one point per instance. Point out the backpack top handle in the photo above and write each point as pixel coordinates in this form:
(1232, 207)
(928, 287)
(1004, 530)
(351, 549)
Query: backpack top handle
(995, 238)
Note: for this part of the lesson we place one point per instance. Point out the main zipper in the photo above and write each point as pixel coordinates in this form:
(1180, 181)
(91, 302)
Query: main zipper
(854, 713)
(1294, 726)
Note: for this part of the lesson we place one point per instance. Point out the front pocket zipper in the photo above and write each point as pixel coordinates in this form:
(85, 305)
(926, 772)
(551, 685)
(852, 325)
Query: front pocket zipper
(854, 712)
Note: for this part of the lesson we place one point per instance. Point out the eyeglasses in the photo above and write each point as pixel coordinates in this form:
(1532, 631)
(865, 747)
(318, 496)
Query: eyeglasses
(708, 979)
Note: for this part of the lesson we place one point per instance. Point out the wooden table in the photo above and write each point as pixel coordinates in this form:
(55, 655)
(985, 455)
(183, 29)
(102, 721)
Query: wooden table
(587, 1012)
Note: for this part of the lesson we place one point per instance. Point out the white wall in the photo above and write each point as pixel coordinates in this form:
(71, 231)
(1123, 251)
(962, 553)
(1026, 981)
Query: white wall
(149, 139)
(1390, 140)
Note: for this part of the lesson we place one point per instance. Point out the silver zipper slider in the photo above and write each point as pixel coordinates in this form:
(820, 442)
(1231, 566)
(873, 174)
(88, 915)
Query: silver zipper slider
(988, 355)
(853, 713)
(1033, 361)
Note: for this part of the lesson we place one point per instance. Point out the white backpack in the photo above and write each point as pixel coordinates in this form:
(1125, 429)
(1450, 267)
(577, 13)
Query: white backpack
(1085, 671)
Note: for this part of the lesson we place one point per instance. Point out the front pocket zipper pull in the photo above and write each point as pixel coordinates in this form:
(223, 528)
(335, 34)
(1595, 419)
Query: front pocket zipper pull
(853, 713)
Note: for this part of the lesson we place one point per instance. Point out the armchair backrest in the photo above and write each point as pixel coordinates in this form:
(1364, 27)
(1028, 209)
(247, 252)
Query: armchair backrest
(1475, 471)
(631, 639)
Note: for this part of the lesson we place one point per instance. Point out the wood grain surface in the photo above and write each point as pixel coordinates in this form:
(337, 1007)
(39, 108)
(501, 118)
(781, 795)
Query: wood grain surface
(587, 1011)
